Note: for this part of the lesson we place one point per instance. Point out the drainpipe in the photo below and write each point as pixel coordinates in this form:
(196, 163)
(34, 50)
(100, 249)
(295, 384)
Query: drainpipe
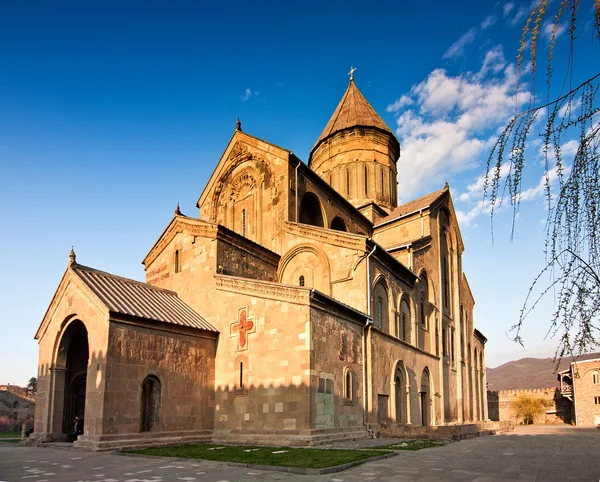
(296, 188)
(364, 347)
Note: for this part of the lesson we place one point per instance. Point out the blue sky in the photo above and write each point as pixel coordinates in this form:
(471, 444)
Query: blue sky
(110, 113)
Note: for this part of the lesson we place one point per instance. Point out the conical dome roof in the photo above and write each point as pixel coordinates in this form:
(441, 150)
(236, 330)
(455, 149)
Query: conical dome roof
(353, 110)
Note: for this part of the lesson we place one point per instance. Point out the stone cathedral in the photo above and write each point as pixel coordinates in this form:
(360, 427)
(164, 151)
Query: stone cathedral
(301, 305)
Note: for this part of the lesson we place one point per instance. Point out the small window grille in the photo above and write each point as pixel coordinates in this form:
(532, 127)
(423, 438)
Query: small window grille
(301, 280)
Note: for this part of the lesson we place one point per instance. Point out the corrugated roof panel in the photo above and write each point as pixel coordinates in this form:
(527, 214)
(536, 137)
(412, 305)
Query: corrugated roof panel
(133, 298)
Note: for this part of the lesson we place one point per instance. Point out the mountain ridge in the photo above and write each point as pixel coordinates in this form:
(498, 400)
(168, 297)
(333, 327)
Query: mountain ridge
(530, 372)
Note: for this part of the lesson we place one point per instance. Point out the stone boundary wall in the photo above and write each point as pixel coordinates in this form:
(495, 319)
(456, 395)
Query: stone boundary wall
(500, 405)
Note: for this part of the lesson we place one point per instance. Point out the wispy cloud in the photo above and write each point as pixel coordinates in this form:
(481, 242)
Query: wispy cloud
(488, 22)
(248, 93)
(507, 8)
(458, 47)
(548, 29)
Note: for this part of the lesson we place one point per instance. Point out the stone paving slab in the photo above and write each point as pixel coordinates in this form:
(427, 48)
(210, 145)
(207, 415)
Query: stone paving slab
(539, 453)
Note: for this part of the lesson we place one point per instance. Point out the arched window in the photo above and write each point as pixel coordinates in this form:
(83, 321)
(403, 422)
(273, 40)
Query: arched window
(595, 378)
(446, 282)
(381, 306)
(348, 181)
(338, 224)
(176, 261)
(16, 404)
(382, 182)
(405, 320)
(310, 211)
(243, 222)
(150, 404)
(241, 382)
(366, 181)
(423, 301)
(301, 280)
(348, 389)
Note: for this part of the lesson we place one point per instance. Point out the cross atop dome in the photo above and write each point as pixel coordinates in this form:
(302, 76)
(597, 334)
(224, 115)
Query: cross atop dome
(351, 73)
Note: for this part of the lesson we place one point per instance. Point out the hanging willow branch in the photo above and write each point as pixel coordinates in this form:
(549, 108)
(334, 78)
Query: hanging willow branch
(571, 186)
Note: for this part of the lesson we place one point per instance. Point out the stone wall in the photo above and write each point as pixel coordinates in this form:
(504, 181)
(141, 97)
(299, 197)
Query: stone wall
(500, 405)
(586, 392)
(16, 409)
(183, 362)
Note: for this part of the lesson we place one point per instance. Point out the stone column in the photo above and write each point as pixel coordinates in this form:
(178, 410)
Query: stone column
(57, 402)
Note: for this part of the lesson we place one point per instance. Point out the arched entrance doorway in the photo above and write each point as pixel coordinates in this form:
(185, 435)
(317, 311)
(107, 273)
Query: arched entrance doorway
(425, 399)
(70, 380)
(400, 394)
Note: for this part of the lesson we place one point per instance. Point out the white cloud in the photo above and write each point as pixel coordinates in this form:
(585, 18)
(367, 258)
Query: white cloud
(508, 7)
(458, 47)
(399, 104)
(520, 14)
(570, 148)
(548, 28)
(450, 122)
(488, 22)
(247, 94)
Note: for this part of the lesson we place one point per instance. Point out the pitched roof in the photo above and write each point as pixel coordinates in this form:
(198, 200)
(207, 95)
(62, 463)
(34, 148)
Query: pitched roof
(129, 297)
(414, 205)
(353, 110)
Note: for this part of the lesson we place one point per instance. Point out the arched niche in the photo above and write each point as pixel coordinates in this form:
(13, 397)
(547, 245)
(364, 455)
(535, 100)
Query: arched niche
(311, 211)
(150, 404)
(425, 393)
(338, 224)
(400, 390)
(307, 261)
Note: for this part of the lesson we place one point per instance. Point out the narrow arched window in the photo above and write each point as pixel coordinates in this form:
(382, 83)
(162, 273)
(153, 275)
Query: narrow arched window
(379, 312)
(176, 261)
(301, 280)
(243, 222)
(241, 375)
(348, 386)
(595, 378)
(446, 282)
(422, 311)
(382, 182)
(150, 404)
(366, 181)
(348, 181)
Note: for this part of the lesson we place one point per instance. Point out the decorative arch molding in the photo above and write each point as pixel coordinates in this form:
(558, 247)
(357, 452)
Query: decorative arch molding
(238, 191)
(239, 156)
(59, 357)
(325, 275)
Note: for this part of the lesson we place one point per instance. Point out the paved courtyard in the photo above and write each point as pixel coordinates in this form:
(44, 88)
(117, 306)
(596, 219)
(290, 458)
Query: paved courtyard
(539, 453)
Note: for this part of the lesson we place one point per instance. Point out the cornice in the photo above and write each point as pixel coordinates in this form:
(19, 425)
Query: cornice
(263, 289)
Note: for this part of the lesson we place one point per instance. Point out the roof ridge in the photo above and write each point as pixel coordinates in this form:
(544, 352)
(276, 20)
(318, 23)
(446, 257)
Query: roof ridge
(129, 280)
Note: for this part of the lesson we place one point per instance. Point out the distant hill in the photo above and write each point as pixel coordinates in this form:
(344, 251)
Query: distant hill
(529, 373)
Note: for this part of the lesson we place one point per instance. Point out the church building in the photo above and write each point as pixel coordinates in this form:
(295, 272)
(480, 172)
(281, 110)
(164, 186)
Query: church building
(300, 305)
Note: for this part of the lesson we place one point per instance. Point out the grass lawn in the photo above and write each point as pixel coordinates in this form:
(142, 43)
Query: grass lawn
(413, 445)
(280, 456)
(10, 435)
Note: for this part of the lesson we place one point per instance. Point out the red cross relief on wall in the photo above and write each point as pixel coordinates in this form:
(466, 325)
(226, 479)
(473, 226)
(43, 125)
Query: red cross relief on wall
(242, 328)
